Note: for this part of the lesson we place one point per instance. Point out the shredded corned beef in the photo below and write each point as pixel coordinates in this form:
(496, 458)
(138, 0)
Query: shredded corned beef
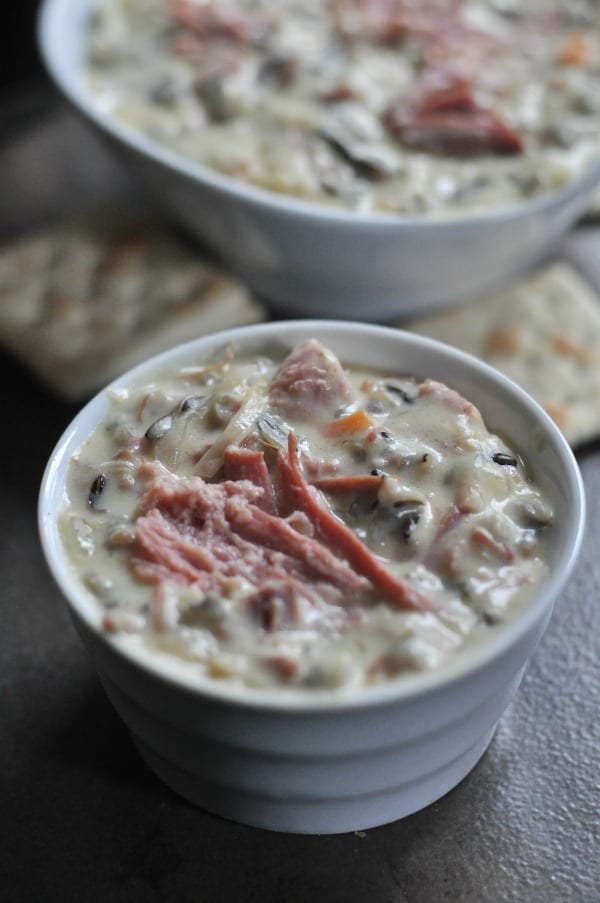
(198, 533)
(194, 532)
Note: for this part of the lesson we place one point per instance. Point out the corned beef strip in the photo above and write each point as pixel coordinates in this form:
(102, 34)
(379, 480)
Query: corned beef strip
(444, 117)
(192, 499)
(182, 533)
(310, 383)
(166, 553)
(275, 533)
(453, 399)
(341, 539)
(248, 464)
(453, 132)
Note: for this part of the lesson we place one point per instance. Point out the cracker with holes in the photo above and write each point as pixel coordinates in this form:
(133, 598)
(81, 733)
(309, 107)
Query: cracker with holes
(83, 300)
(544, 333)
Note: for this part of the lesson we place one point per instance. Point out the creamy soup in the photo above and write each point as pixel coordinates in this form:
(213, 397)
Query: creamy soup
(369, 105)
(272, 521)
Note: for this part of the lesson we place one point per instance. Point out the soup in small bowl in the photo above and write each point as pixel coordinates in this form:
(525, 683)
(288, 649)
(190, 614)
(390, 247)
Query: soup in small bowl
(310, 561)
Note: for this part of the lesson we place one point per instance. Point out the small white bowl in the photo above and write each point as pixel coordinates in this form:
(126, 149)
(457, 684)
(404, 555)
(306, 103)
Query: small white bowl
(329, 764)
(306, 260)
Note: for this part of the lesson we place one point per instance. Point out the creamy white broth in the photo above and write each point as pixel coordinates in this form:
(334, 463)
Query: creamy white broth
(299, 98)
(453, 531)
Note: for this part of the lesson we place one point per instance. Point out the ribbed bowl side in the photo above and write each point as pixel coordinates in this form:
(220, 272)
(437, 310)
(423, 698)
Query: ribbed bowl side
(311, 771)
(327, 815)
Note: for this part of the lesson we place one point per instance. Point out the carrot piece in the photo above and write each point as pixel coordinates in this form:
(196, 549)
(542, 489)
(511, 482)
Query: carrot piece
(337, 535)
(576, 50)
(360, 483)
(358, 422)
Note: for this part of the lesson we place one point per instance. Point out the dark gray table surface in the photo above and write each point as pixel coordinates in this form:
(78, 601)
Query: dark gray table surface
(82, 818)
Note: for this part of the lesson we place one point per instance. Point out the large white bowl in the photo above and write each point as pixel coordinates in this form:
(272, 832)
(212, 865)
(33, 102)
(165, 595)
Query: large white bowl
(307, 260)
(328, 763)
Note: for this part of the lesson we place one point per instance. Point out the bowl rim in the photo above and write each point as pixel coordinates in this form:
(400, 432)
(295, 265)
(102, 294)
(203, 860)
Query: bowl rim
(263, 198)
(406, 687)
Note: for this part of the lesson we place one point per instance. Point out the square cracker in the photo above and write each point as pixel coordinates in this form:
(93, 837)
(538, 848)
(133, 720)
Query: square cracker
(83, 300)
(543, 333)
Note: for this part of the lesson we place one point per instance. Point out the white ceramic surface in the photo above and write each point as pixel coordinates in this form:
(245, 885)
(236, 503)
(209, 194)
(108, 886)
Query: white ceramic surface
(311, 261)
(331, 763)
